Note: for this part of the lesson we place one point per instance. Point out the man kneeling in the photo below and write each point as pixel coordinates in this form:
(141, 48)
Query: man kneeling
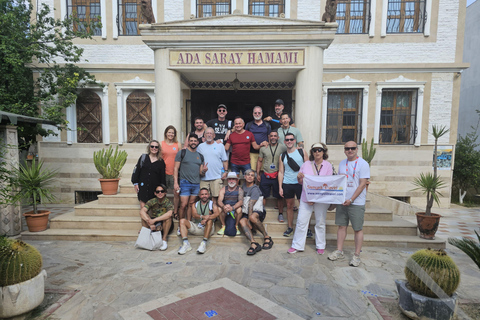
(204, 213)
(253, 218)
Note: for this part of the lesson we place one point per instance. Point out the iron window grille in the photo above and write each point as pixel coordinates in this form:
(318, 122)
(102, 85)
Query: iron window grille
(266, 8)
(129, 17)
(406, 16)
(212, 8)
(398, 116)
(353, 16)
(85, 11)
(344, 115)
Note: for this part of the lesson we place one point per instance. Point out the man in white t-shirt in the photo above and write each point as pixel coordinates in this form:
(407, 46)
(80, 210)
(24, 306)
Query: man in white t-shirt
(357, 171)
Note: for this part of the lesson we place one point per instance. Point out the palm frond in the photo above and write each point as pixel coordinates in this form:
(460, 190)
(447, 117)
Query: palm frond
(469, 246)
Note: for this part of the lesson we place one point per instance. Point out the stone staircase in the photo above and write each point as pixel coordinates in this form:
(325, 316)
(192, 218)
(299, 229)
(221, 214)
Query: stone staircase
(116, 218)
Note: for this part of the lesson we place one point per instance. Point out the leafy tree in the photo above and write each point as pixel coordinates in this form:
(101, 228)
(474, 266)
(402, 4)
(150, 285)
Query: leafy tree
(34, 43)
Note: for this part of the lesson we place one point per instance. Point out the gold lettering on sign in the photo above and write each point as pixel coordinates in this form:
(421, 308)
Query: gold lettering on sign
(226, 58)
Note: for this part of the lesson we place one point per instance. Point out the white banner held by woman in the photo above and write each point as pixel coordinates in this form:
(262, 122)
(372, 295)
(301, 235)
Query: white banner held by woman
(325, 189)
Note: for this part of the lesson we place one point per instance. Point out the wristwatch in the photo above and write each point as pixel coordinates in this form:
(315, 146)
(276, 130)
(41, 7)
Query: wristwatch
(351, 201)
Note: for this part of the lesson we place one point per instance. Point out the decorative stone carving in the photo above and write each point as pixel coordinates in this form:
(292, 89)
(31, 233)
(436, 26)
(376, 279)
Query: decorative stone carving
(147, 12)
(330, 11)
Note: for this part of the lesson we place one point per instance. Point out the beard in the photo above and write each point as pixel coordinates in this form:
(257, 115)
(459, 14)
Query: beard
(232, 184)
(257, 117)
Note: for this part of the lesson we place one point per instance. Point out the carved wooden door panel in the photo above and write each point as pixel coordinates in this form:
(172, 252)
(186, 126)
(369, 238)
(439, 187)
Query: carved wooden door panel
(89, 118)
(139, 117)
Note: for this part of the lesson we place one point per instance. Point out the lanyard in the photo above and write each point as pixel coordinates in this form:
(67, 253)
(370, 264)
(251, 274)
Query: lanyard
(316, 168)
(204, 208)
(273, 152)
(354, 168)
(284, 134)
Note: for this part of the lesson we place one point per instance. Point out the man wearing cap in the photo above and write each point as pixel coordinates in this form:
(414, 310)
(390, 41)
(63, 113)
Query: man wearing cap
(230, 201)
(286, 128)
(275, 120)
(221, 125)
(260, 129)
(352, 210)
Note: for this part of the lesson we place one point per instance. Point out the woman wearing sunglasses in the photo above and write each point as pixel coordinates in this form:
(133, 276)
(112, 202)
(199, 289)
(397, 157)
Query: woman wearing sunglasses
(317, 165)
(149, 173)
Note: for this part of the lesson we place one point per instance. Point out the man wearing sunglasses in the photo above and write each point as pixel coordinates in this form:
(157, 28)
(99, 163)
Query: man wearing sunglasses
(221, 125)
(352, 210)
(157, 214)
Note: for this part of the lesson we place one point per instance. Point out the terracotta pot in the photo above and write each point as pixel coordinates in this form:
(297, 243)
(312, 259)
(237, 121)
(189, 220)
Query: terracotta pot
(427, 225)
(37, 222)
(109, 186)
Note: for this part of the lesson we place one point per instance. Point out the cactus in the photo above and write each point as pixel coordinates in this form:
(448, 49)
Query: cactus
(19, 262)
(108, 163)
(368, 154)
(439, 266)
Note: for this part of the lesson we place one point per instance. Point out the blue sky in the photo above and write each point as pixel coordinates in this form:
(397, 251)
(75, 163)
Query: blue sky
(469, 2)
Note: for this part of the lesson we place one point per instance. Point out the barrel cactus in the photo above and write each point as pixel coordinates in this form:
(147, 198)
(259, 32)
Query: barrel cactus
(438, 266)
(19, 262)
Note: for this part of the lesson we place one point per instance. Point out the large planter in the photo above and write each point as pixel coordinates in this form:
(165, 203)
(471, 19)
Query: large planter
(37, 222)
(109, 186)
(22, 297)
(416, 306)
(427, 225)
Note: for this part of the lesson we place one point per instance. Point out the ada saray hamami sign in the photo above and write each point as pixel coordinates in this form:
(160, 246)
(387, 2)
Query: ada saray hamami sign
(325, 189)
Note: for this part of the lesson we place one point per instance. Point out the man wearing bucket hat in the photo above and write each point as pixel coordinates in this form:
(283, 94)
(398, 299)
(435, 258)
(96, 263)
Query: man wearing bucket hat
(230, 201)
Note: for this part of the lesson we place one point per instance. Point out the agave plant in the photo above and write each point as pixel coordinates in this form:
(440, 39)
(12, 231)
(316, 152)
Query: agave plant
(429, 183)
(469, 246)
(368, 153)
(33, 183)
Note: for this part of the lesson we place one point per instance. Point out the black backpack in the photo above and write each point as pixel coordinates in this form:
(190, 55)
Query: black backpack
(230, 229)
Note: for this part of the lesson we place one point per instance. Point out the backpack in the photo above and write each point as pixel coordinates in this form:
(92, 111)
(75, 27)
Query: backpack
(295, 167)
(135, 173)
(230, 229)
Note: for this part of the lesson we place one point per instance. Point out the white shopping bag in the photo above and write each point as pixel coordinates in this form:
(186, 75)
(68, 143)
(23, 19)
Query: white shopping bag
(149, 240)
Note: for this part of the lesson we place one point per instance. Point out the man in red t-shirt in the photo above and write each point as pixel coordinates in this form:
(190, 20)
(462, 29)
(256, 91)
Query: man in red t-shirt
(240, 140)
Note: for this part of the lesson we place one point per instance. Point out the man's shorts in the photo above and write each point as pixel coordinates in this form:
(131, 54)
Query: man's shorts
(253, 160)
(198, 231)
(292, 190)
(352, 213)
(261, 215)
(269, 184)
(169, 181)
(213, 186)
(188, 189)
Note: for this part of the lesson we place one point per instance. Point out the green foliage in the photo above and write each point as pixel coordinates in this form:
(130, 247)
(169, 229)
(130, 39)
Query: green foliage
(109, 163)
(42, 46)
(438, 266)
(6, 176)
(19, 261)
(368, 154)
(469, 246)
(33, 183)
(429, 183)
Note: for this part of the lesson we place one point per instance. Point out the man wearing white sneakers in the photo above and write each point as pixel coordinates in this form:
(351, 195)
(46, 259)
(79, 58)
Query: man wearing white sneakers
(204, 213)
(357, 171)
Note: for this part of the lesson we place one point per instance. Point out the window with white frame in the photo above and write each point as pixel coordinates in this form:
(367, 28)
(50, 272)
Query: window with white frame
(344, 115)
(129, 17)
(353, 16)
(406, 16)
(211, 8)
(398, 116)
(85, 11)
(268, 8)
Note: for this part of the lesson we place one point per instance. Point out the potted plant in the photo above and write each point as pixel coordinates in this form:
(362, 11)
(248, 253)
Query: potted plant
(32, 183)
(22, 279)
(368, 154)
(109, 162)
(427, 222)
(429, 291)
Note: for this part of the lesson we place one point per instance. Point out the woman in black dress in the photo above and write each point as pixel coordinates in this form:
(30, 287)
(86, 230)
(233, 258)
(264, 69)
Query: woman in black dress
(149, 173)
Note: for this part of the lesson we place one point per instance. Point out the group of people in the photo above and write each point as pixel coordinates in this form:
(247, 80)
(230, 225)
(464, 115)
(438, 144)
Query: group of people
(269, 152)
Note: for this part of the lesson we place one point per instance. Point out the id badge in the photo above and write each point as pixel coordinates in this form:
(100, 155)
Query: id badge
(349, 184)
(272, 166)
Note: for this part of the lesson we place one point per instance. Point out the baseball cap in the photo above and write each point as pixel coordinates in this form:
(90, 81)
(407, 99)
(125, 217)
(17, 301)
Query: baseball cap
(222, 106)
(279, 101)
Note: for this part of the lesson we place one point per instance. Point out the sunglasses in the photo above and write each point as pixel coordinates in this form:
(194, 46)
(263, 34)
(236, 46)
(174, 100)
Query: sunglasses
(289, 139)
(160, 191)
(154, 147)
(350, 148)
(318, 150)
(222, 110)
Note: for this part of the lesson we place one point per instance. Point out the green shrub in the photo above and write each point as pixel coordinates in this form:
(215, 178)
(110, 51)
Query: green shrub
(19, 262)
(109, 163)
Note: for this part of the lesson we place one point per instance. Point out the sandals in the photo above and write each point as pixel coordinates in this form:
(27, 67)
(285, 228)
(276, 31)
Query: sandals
(269, 244)
(251, 251)
(175, 216)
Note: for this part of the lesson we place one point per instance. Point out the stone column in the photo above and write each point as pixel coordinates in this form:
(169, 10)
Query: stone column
(308, 97)
(168, 94)
(10, 215)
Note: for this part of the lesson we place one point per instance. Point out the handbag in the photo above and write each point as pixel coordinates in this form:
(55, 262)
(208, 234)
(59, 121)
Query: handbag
(257, 207)
(149, 240)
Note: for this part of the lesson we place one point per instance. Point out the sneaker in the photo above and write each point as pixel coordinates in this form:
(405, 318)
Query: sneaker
(335, 255)
(280, 217)
(164, 246)
(292, 250)
(202, 247)
(355, 262)
(288, 232)
(309, 233)
(238, 232)
(178, 232)
(320, 251)
(185, 248)
(221, 231)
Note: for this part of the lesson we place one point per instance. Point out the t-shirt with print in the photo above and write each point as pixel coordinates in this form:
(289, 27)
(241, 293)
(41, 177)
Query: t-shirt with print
(214, 154)
(168, 154)
(221, 127)
(203, 210)
(190, 166)
(271, 157)
(308, 168)
(156, 209)
(357, 169)
(290, 176)
(241, 147)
